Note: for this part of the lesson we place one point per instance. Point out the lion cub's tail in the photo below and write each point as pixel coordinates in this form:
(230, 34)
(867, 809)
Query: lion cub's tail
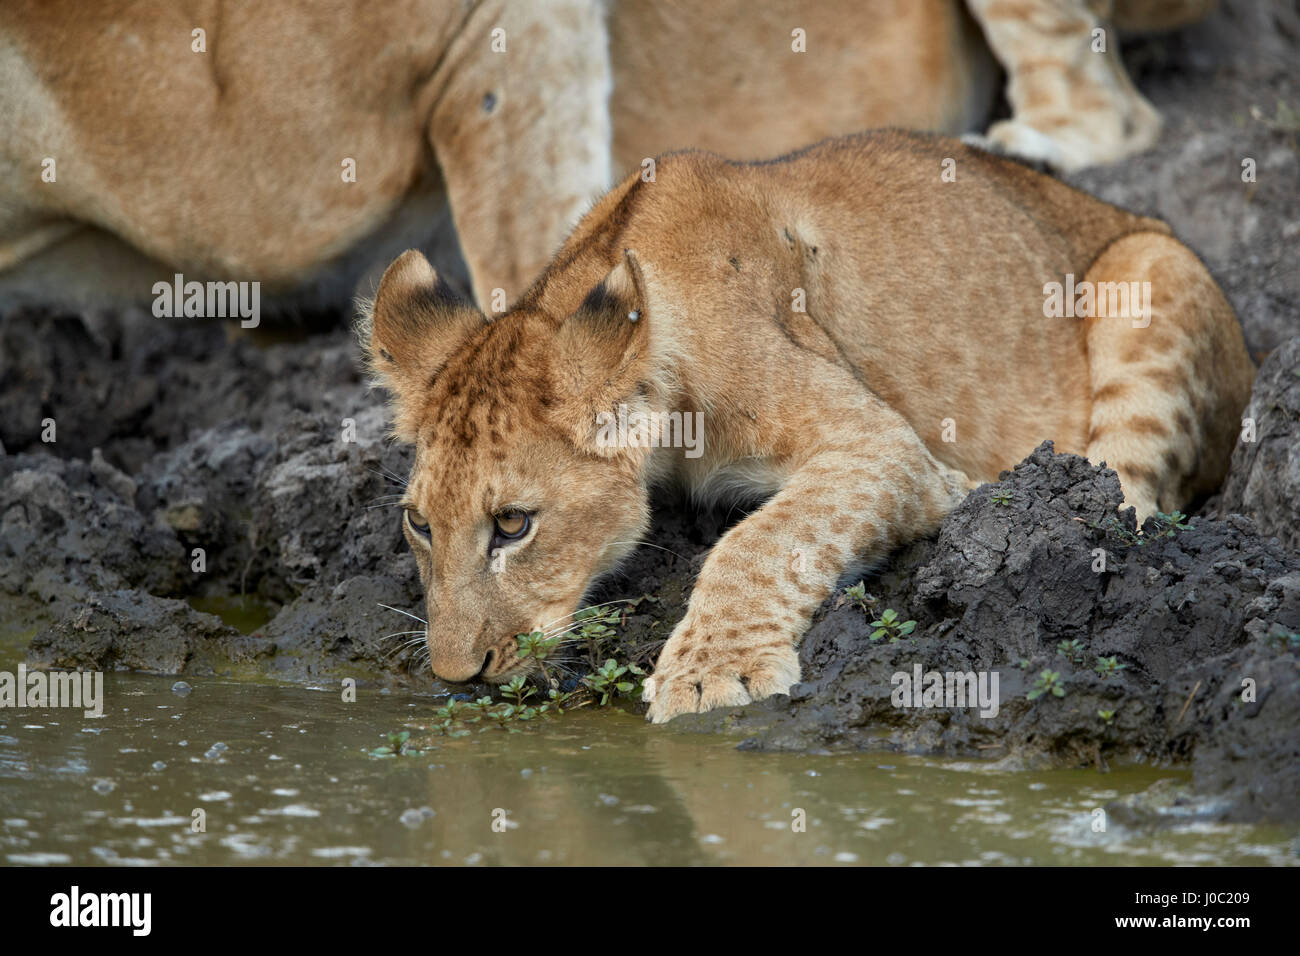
(1169, 379)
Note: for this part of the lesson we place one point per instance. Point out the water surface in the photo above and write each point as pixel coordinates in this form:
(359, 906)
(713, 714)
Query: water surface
(285, 774)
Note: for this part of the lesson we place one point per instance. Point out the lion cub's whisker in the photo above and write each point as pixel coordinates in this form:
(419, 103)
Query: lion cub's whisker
(647, 544)
(414, 617)
(389, 476)
(389, 637)
(401, 647)
(544, 627)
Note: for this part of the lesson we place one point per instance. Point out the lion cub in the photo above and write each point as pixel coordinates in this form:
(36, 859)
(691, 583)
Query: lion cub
(863, 329)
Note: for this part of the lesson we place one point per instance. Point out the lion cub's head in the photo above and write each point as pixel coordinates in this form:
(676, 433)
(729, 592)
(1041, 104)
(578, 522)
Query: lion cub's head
(513, 505)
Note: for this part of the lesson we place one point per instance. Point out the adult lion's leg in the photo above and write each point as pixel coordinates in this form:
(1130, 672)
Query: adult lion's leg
(1072, 101)
(862, 481)
(521, 131)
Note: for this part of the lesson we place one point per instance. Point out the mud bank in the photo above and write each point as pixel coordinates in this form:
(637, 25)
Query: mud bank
(230, 469)
(1041, 572)
(1264, 481)
(102, 558)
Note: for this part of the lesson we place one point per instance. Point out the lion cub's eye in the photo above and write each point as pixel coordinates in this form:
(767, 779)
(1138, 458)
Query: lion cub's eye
(417, 522)
(513, 525)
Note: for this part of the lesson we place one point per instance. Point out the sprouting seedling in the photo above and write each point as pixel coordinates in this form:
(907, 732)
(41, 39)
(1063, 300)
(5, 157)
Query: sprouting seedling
(595, 628)
(888, 625)
(518, 689)
(1071, 650)
(593, 625)
(857, 596)
(1168, 525)
(398, 746)
(1048, 682)
(596, 623)
(536, 645)
(1001, 497)
(1109, 666)
(612, 678)
(1106, 715)
(1283, 640)
(1113, 526)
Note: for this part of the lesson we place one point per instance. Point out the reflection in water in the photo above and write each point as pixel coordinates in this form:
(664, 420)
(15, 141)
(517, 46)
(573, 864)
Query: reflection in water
(284, 775)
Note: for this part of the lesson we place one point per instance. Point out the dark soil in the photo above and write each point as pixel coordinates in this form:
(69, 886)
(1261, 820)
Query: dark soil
(1191, 615)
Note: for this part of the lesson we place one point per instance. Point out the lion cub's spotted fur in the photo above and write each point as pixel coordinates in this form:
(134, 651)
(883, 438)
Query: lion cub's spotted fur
(924, 308)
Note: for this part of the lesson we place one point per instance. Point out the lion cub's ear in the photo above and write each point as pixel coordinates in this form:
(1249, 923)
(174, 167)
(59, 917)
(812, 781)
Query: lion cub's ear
(415, 323)
(602, 352)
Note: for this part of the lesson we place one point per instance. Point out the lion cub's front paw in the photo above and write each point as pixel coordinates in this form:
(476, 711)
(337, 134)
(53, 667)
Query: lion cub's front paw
(694, 675)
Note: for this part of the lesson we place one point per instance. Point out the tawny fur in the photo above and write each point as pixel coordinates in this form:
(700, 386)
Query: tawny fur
(226, 164)
(865, 341)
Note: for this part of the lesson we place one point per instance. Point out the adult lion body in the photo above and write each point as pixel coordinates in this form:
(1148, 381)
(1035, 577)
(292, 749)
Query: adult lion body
(132, 146)
(228, 163)
(864, 338)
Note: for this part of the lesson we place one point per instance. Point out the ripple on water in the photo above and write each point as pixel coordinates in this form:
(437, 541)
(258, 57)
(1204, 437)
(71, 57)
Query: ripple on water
(38, 859)
(586, 788)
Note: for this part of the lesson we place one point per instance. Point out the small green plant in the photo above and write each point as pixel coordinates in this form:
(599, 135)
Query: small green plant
(858, 597)
(888, 625)
(1163, 526)
(398, 746)
(1071, 650)
(1024, 664)
(597, 623)
(455, 718)
(611, 679)
(518, 689)
(1286, 120)
(1168, 525)
(1113, 526)
(1106, 715)
(1049, 682)
(1001, 497)
(536, 645)
(1108, 667)
(520, 703)
(1283, 640)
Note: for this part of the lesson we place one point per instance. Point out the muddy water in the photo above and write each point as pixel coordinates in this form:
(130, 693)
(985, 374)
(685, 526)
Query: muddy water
(286, 775)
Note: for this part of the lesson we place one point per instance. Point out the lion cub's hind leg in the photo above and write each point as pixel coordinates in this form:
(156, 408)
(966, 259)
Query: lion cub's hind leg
(1170, 375)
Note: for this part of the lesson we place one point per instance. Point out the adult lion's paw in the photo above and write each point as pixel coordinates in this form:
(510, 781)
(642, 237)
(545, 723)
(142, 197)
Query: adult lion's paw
(1020, 139)
(691, 678)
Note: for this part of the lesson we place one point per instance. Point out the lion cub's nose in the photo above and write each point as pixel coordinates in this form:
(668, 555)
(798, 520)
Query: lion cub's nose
(460, 671)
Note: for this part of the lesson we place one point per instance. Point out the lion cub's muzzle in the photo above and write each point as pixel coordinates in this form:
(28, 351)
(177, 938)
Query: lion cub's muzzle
(467, 665)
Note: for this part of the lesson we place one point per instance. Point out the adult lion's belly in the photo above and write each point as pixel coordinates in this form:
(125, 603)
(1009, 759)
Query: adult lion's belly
(727, 76)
